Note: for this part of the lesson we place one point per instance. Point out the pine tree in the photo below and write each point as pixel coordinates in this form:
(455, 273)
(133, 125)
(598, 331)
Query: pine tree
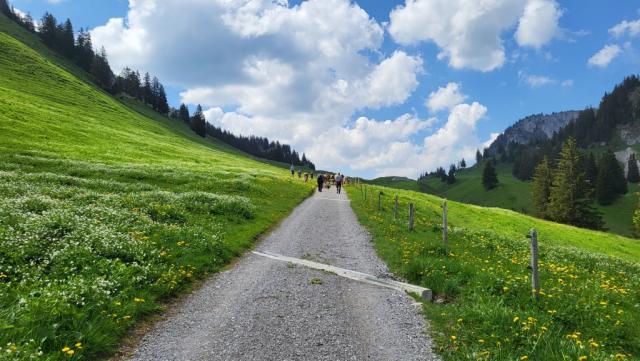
(147, 94)
(102, 71)
(478, 156)
(183, 114)
(611, 181)
(451, 177)
(463, 164)
(163, 104)
(541, 188)
(84, 51)
(489, 176)
(570, 197)
(5, 8)
(67, 39)
(198, 122)
(633, 175)
(48, 29)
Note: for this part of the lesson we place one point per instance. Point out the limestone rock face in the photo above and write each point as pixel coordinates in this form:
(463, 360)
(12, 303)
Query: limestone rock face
(533, 127)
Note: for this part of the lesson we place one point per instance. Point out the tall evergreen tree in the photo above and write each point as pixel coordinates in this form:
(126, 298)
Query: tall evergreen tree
(183, 114)
(198, 122)
(84, 51)
(463, 164)
(147, 93)
(162, 103)
(478, 156)
(102, 71)
(67, 41)
(570, 197)
(5, 8)
(48, 29)
(633, 175)
(611, 181)
(589, 166)
(489, 176)
(541, 188)
(451, 177)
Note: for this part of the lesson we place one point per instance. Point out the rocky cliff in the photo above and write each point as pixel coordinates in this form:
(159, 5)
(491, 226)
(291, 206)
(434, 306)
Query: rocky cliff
(533, 127)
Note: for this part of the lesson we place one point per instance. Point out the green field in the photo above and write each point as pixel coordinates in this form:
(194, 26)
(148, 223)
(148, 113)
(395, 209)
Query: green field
(106, 210)
(513, 194)
(484, 310)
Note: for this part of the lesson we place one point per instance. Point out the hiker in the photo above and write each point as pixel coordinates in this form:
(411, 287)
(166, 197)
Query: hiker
(306, 177)
(293, 170)
(338, 182)
(320, 181)
(300, 173)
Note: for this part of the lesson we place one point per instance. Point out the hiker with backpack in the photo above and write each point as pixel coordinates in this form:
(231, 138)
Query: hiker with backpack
(320, 181)
(338, 182)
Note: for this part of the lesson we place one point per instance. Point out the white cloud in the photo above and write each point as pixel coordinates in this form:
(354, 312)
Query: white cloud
(567, 83)
(297, 74)
(605, 56)
(469, 32)
(632, 28)
(445, 98)
(539, 24)
(535, 81)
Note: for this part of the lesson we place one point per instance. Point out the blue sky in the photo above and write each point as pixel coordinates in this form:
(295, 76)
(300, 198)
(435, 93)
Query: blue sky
(553, 74)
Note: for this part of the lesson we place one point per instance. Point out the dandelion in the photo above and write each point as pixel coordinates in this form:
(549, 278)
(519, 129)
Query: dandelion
(138, 300)
(525, 357)
(582, 358)
(70, 352)
(453, 337)
(516, 319)
(65, 349)
(78, 344)
(593, 344)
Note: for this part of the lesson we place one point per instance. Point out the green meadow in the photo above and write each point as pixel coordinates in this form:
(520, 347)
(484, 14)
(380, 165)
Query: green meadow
(484, 309)
(107, 211)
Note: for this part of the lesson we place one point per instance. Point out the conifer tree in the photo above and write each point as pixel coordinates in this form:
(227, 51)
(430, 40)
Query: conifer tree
(198, 122)
(48, 29)
(541, 188)
(478, 156)
(147, 94)
(463, 164)
(489, 176)
(5, 8)
(451, 177)
(611, 181)
(633, 175)
(67, 39)
(570, 197)
(183, 114)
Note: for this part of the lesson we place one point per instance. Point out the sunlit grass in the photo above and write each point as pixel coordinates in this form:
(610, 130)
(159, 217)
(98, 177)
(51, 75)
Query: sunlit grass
(590, 300)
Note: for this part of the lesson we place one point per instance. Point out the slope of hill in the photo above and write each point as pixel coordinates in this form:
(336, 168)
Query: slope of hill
(104, 212)
(484, 309)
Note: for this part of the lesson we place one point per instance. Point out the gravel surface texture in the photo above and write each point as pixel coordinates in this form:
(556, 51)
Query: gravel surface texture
(264, 309)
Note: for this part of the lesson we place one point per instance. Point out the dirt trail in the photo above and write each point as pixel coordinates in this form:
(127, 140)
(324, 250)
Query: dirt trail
(264, 309)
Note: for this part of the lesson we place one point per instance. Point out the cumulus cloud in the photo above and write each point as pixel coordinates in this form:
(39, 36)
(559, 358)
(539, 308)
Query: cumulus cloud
(631, 28)
(445, 98)
(293, 73)
(469, 33)
(605, 56)
(535, 81)
(539, 24)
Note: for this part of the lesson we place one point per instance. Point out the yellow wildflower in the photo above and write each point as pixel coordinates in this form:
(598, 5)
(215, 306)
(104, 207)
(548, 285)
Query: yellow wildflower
(525, 357)
(453, 337)
(582, 358)
(138, 300)
(65, 349)
(78, 344)
(516, 319)
(70, 352)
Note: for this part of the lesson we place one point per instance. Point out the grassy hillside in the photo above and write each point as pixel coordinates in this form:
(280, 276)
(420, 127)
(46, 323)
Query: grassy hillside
(514, 194)
(105, 212)
(590, 288)
(396, 182)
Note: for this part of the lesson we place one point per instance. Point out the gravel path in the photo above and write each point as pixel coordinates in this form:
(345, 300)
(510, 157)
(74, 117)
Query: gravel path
(263, 309)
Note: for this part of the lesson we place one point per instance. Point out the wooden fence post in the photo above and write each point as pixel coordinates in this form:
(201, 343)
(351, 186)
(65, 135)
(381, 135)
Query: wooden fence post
(535, 281)
(410, 216)
(379, 200)
(395, 208)
(445, 227)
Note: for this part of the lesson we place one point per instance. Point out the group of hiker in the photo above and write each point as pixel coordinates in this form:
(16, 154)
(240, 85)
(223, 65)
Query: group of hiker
(324, 180)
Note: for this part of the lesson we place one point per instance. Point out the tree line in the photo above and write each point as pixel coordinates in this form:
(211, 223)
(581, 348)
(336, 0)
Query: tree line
(257, 146)
(62, 38)
(567, 191)
(592, 127)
